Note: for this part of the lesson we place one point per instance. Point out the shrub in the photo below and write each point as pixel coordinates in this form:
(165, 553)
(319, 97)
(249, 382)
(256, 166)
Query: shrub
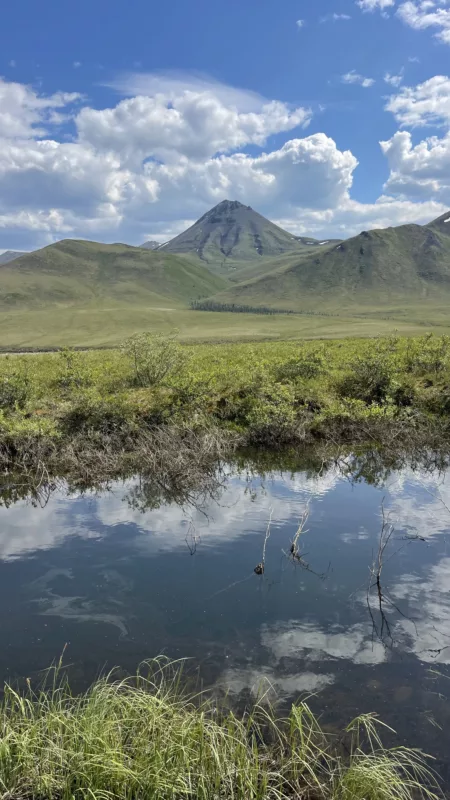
(370, 376)
(72, 373)
(307, 364)
(154, 357)
(14, 388)
(428, 353)
(272, 418)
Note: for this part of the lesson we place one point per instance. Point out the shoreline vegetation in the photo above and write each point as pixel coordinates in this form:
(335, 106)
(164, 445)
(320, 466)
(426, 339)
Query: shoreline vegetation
(157, 406)
(147, 736)
(176, 414)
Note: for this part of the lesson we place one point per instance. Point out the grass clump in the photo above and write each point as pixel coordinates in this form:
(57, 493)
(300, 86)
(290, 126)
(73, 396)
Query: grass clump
(146, 737)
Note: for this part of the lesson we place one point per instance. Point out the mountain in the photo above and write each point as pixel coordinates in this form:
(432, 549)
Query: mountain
(150, 245)
(10, 255)
(441, 224)
(81, 272)
(232, 235)
(379, 266)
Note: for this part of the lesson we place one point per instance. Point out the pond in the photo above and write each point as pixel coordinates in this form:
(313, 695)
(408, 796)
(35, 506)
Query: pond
(356, 612)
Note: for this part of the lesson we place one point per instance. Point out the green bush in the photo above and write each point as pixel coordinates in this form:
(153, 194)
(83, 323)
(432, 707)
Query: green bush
(427, 354)
(370, 377)
(307, 364)
(272, 418)
(14, 387)
(153, 357)
(72, 372)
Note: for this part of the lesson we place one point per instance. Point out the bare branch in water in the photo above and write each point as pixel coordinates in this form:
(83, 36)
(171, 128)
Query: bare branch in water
(260, 568)
(301, 529)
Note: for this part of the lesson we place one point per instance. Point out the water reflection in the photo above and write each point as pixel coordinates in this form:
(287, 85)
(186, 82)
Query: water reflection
(272, 684)
(308, 641)
(119, 576)
(428, 634)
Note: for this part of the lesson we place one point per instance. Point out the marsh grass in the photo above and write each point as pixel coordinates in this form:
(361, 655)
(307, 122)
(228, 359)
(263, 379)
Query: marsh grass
(147, 737)
(99, 412)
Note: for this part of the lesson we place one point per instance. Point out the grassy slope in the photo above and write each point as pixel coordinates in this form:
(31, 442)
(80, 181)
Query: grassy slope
(95, 326)
(79, 272)
(88, 294)
(405, 265)
(9, 255)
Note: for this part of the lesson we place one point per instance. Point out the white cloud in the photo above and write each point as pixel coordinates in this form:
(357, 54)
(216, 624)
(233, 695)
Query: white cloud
(76, 64)
(351, 217)
(24, 113)
(373, 5)
(309, 172)
(174, 84)
(427, 103)
(419, 172)
(393, 80)
(193, 125)
(423, 15)
(154, 162)
(355, 77)
(300, 23)
(335, 17)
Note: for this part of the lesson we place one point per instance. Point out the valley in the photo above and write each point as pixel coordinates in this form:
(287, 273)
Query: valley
(82, 293)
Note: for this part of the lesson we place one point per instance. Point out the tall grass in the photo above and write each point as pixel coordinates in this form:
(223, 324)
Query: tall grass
(145, 737)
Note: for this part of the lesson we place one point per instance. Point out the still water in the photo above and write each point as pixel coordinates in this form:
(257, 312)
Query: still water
(118, 582)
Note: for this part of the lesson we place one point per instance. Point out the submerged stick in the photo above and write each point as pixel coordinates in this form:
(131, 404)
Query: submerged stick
(260, 568)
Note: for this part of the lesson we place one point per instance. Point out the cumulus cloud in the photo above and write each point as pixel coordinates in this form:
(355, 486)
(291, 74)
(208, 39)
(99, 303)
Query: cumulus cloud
(24, 113)
(309, 172)
(428, 14)
(351, 217)
(157, 159)
(428, 103)
(355, 77)
(421, 171)
(193, 125)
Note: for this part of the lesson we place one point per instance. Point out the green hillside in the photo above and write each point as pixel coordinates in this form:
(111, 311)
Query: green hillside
(231, 235)
(402, 265)
(10, 255)
(80, 272)
(84, 293)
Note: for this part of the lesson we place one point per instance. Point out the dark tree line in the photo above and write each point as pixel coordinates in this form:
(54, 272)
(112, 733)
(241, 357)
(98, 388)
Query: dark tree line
(241, 308)
(235, 308)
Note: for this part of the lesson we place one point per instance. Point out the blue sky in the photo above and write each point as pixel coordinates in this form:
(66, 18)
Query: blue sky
(127, 121)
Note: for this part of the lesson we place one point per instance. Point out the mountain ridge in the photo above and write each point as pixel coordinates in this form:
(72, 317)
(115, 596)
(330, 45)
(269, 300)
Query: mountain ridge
(78, 271)
(231, 234)
(404, 261)
(10, 255)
